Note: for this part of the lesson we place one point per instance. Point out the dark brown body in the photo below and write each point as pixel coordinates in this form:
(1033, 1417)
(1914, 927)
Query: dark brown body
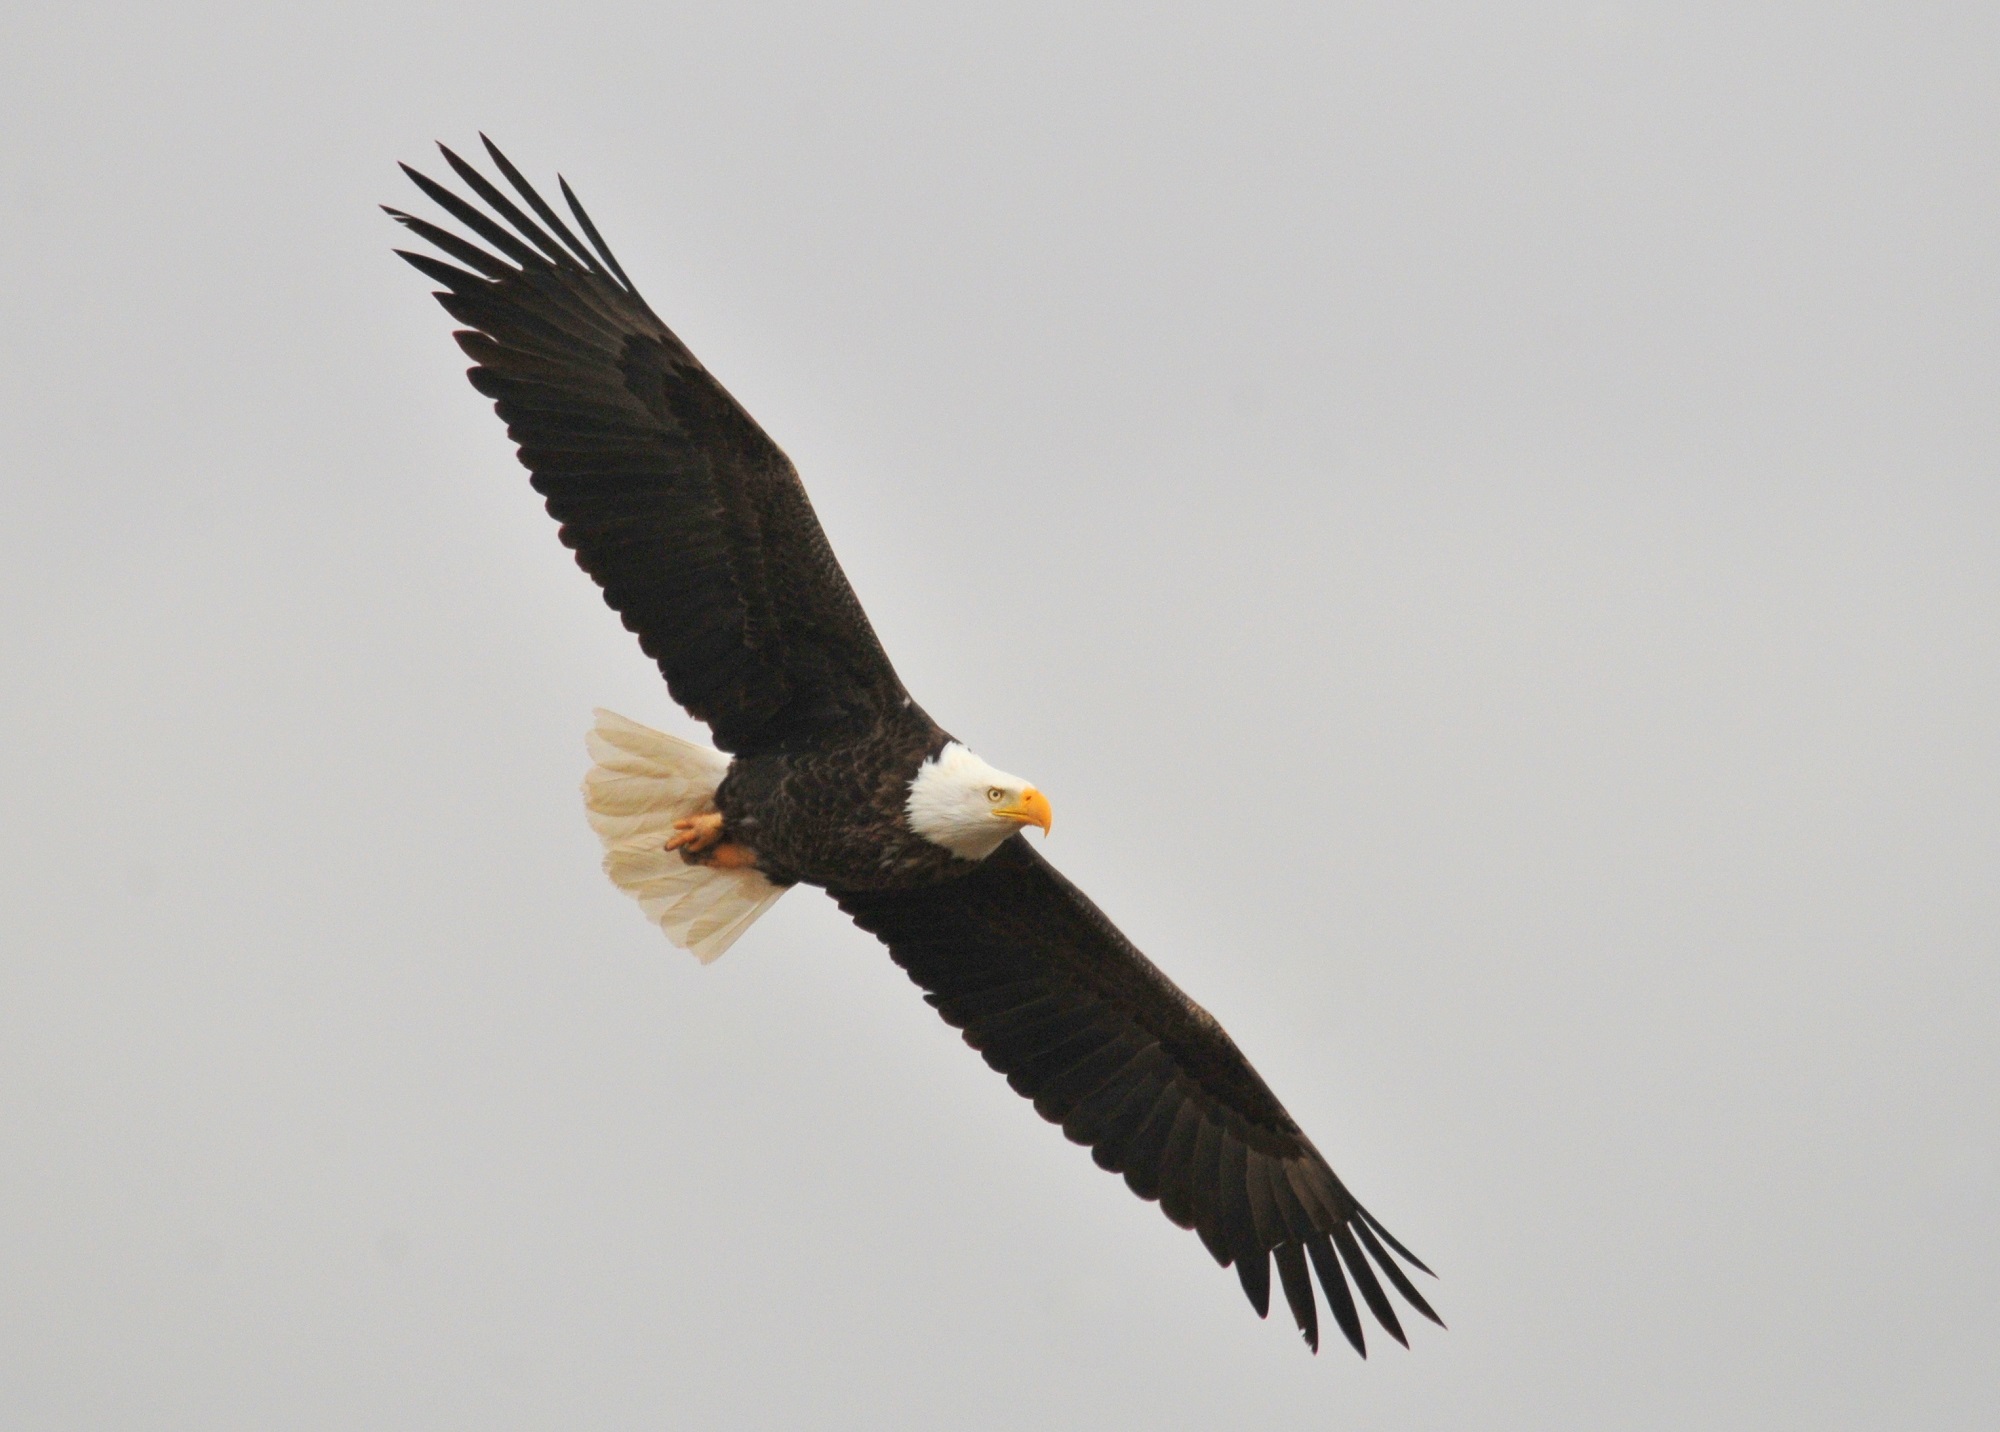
(835, 818)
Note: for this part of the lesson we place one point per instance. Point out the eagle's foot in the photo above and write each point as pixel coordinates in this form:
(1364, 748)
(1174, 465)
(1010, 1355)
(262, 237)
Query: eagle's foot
(729, 855)
(695, 834)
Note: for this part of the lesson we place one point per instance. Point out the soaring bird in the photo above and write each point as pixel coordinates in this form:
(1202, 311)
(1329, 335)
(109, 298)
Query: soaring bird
(825, 772)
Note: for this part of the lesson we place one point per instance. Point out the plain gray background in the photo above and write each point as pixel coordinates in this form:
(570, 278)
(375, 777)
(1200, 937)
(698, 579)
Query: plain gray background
(1482, 517)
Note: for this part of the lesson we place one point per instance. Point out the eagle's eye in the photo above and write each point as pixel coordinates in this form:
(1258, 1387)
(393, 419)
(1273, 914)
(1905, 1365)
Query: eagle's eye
(995, 794)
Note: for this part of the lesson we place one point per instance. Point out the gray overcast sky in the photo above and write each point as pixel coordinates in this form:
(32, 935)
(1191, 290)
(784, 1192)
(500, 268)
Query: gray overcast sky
(1513, 627)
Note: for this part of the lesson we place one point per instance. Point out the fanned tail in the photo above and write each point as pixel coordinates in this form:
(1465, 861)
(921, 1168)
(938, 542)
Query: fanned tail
(643, 782)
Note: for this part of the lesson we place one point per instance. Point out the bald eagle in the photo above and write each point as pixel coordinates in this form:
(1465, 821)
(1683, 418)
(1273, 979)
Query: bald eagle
(827, 773)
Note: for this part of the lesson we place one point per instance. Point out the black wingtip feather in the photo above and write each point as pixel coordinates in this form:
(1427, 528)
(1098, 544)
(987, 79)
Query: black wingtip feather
(1255, 1276)
(590, 229)
(1389, 1238)
(1338, 1299)
(455, 279)
(1299, 1292)
(1212, 1239)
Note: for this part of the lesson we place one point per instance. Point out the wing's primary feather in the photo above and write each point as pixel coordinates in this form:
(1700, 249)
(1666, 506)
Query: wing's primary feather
(1055, 998)
(691, 520)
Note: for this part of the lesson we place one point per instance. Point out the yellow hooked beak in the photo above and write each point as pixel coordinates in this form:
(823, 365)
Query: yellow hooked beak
(1031, 809)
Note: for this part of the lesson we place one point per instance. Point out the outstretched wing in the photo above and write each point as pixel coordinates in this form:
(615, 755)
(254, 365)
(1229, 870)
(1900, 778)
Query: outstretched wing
(692, 521)
(1055, 998)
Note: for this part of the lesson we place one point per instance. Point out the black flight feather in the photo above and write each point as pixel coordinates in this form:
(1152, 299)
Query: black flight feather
(596, 239)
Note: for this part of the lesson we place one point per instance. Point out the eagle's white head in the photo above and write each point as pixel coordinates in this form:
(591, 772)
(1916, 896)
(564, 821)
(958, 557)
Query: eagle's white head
(968, 807)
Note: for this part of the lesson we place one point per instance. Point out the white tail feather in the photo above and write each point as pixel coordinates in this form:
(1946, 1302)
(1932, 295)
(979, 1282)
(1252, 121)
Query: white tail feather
(643, 782)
